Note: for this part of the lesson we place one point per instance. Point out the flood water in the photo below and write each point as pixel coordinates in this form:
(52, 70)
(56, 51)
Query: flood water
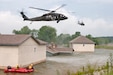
(67, 62)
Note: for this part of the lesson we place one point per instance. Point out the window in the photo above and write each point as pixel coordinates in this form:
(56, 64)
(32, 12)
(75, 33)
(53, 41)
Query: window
(83, 44)
(34, 49)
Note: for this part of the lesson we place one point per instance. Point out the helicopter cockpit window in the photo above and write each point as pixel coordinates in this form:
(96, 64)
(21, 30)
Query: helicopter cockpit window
(61, 15)
(48, 16)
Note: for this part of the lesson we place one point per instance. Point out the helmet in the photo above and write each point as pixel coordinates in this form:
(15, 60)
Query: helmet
(31, 64)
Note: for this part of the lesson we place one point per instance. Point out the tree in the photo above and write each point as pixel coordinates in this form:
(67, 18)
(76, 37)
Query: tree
(76, 35)
(34, 33)
(89, 36)
(47, 34)
(24, 30)
(93, 39)
(63, 39)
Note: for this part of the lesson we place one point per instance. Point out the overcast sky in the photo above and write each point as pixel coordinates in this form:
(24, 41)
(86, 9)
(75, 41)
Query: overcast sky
(96, 14)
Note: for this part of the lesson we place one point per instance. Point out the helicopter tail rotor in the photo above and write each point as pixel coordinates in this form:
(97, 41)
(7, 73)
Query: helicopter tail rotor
(24, 16)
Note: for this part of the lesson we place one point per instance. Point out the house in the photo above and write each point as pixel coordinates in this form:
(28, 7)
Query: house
(21, 49)
(82, 44)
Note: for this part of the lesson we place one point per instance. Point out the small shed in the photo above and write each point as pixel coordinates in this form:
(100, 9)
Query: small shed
(82, 44)
(21, 49)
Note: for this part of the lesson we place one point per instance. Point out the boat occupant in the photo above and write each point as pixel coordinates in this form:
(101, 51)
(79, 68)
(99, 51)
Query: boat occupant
(17, 66)
(30, 66)
(8, 67)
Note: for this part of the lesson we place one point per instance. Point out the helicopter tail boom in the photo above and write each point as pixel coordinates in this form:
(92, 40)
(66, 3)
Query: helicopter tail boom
(24, 16)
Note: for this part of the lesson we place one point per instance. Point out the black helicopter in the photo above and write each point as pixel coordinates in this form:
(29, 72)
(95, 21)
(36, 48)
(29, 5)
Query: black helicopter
(81, 23)
(51, 16)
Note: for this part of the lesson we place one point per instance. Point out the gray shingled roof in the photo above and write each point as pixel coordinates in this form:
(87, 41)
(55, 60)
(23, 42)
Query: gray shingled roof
(82, 40)
(13, 40)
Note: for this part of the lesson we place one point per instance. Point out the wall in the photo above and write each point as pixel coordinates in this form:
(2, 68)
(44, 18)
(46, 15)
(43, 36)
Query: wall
(31, 52)
(83, 47)
(8, 55)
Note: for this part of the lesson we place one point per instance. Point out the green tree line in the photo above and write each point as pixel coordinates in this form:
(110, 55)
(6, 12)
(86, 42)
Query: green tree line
(48, 34)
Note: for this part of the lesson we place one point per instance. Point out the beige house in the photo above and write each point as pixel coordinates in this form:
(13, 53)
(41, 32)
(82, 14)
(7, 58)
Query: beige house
(21, 49)
(82, 44)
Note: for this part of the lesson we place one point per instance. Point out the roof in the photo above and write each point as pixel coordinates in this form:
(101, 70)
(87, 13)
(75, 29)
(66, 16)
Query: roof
(82, 40)
(41, 42)
(59, 50)
(15, 40)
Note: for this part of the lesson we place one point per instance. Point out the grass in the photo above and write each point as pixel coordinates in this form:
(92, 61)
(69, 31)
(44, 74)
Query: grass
(89, 69)
(104, 46)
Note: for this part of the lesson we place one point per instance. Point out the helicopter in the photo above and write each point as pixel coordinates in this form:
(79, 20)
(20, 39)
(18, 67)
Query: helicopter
(51, 16)
(81, 23)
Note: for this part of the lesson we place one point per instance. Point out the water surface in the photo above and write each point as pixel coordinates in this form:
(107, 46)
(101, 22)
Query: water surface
(67, 62)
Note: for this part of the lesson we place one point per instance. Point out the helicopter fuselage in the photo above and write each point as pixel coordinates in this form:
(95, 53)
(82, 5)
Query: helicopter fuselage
(46, 17)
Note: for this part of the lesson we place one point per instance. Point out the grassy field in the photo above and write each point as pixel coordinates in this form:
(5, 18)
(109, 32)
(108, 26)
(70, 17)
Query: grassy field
(106, 69)
(104, 46)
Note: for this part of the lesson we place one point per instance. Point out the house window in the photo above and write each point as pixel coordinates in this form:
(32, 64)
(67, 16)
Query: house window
(34, 49)
(83, 44)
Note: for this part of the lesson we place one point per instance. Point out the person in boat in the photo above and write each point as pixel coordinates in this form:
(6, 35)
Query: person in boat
(9, 67)
(30, 66)
(17, 67)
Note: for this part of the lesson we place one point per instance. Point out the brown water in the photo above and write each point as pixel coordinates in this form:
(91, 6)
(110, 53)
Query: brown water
(67, 62)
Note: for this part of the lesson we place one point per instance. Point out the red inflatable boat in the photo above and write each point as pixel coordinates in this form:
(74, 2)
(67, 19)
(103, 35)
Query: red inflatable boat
(20, 70)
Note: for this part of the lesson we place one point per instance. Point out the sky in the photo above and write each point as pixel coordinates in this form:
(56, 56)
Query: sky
(96, 14)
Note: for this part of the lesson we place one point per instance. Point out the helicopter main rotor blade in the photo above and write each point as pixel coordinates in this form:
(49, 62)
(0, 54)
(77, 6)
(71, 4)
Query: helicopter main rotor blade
(48, 10)
(40, 9)
(60, 7)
